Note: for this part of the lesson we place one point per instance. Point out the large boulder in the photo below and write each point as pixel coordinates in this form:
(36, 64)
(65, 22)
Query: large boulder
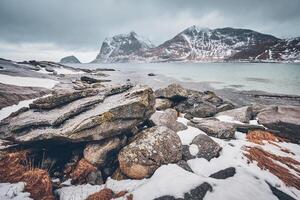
(196, 106)
(168, 118)
(243, 114)
(85, 117)
(151, 148)
(205, 147)
(285, 119)
(162, 104)
(174, 92)
(97, 152)
(215, 128)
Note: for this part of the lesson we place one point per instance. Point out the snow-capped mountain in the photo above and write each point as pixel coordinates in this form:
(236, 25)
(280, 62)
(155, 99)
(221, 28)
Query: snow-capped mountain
(285, 50)
(201, 45)
(123, 48)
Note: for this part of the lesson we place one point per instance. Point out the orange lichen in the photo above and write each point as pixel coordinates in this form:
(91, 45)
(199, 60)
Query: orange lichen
(15, 168)
(268, 161)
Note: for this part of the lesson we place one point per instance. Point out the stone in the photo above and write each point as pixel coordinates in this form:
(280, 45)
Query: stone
(224, 173)
(96, 152)
(186, 154)
(168, 118)
(151, 74)
(174, 92)
(285, 119)
(196, 107)
(212, 98)
(151, 148)
(206, 147)
(85, 119)
(225, 106)
(243, 114)
(118, 175)
(198, 193)
(184, 165)
(215, 128)
(91, 80)
(162, 104)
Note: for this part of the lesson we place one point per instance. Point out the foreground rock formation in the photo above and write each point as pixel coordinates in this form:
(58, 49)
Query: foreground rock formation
(172, 143)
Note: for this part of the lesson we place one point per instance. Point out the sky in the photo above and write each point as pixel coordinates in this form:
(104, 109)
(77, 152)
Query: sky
(52, 29)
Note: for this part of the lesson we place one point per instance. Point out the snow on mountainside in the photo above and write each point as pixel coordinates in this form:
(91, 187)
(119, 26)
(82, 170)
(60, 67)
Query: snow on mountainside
(285, 50)
(122, 48)
(201, 45)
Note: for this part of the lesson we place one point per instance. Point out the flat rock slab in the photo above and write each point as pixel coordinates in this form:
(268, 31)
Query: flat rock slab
(285, 119)
(103, 115)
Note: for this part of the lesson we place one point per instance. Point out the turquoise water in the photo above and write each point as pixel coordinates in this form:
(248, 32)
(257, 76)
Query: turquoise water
(269, 77)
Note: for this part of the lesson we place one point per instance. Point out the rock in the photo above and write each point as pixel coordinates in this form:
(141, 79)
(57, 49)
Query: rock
(280, 194)
(184, 165)
(174, 92)
(168, 118)
(69, 59)
(84, 119)
(197, 193)
(152, 148)
(11, 94)
(91, 80)
(118, 175)
(223, 174)
(49, 69)
(96, 152)
(188, 116)
(162, 104)
(84, 173)
(195, 106)
(212, 98)
(151, 74)
(186, 154)
(224, 107)
(243, 114)
(205, 147)
(285, 119)
(215, 128)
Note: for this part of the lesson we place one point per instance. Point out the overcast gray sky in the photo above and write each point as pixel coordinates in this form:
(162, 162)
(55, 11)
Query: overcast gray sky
(51, 29)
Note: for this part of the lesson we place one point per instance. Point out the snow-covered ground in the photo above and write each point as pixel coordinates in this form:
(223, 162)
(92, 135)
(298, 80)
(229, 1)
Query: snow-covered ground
(14, 191)
(248, 183)
(28, 81)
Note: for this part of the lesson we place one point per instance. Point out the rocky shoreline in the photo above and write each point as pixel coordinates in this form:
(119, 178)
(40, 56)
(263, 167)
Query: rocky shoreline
(91, 137)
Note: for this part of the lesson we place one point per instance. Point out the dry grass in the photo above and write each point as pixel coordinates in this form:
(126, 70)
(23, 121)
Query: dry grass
(81, 172)
(258, 136)
(14, 168)
(106, 194)
(265, 161)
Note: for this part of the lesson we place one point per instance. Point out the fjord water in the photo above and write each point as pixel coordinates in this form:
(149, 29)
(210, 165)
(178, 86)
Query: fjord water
(278, 78)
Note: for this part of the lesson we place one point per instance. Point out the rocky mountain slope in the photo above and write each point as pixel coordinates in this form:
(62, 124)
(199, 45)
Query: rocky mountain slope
(123, 48)
(69, 59)
(202, 45)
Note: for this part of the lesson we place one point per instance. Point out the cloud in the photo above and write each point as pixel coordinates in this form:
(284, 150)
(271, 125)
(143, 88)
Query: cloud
(80, 26)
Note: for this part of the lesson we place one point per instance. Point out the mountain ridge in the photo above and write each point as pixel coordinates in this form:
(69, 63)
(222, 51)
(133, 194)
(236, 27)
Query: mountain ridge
(198, 44)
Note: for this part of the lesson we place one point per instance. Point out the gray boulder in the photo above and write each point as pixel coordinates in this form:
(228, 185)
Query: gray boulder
(86, 118)
(206, 147)
(168, 118)
(69, 59)
(96, 152)
(243, 114)
(215, 128)
(174, 92)
(285, 119)
(151, 148)
(162, 104)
